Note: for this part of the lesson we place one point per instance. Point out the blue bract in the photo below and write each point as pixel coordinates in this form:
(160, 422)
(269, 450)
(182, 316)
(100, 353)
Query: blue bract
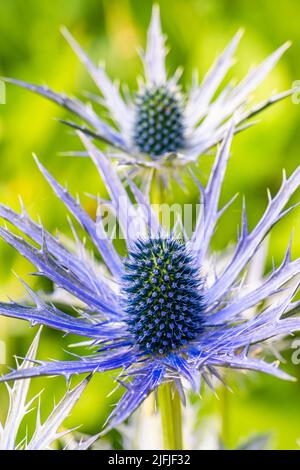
(163, 313)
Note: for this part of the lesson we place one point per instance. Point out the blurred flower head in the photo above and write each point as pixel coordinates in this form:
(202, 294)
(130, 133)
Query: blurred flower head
(46, 435)
(163, 127)
(157, 315)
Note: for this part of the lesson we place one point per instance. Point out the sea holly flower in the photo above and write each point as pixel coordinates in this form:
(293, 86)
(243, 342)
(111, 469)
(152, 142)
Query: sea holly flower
(162, 126)
(45, 434)
(156, 317)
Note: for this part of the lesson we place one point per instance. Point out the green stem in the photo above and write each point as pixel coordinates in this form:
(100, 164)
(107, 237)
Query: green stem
(225, 427)
(157, 189)
(170, 411)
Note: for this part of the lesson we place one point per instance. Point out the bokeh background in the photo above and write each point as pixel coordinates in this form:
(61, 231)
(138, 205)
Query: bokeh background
(32, 49)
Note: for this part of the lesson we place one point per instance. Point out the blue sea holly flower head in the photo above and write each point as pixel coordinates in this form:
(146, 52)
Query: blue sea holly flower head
(158, 315)
(163, 127)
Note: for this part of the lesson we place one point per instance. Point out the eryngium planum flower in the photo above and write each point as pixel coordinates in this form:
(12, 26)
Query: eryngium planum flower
(158, 315)
(162, 126)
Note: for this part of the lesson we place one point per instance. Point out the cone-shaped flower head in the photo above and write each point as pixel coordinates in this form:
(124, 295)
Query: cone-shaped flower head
(159, 121)
(163, 295)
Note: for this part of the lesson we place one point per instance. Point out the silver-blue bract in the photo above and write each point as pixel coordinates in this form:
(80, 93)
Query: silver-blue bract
(162, 127)
(223, 335)
(45, 434)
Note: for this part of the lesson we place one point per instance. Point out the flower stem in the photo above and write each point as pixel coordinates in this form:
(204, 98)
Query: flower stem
(225, 403)
(158, 189)
(225, 417)
(170, 411)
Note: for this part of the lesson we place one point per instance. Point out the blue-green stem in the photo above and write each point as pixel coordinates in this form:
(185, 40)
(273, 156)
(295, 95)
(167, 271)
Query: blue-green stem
(158, 189)
(170, 410)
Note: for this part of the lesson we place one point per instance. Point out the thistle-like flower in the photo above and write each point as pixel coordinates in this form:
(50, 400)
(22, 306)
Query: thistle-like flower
(162, 127)
(157, 314)
(46, 434)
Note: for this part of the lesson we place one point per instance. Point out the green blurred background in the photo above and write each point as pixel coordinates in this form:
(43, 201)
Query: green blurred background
(31, 48)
